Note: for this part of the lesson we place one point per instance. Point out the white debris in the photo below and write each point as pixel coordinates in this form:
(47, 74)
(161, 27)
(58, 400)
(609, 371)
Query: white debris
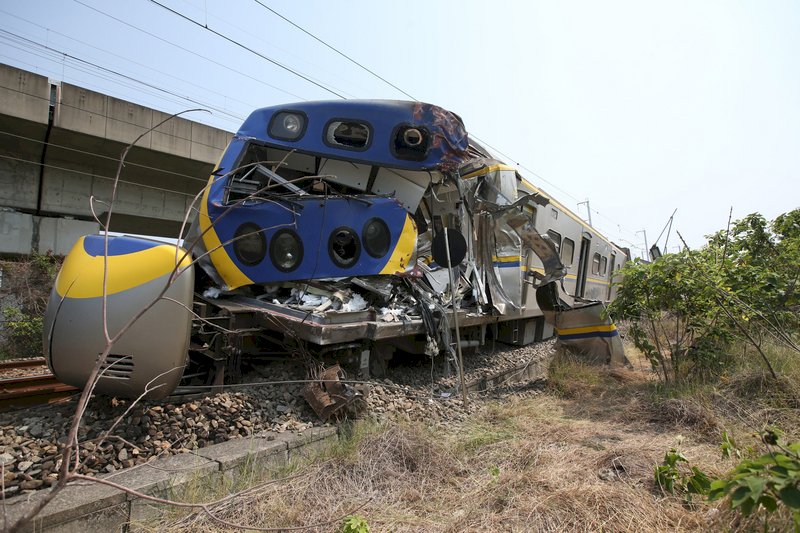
(212, 292)
(356, 303)
(312, 301)
(390, 315)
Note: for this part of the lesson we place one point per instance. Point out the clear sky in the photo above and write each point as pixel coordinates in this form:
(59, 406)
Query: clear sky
(639, 107)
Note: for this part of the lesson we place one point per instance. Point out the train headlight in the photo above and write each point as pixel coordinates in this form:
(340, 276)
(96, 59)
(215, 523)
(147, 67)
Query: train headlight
(249, 244)
(286, 250)
(287, 125)
(344, 247)
(376, 237)
(411, 142)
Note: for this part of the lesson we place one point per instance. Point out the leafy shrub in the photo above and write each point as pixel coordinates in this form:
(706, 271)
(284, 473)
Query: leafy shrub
(767, 482)
(687, 309)
(676, 480)
(354, 524)
(23, 334)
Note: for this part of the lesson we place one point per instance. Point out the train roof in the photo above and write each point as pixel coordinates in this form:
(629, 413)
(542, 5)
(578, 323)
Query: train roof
(391, 133)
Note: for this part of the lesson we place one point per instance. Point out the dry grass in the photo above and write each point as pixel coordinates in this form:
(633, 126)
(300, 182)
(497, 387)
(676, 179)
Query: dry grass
(577, 457)
(524, 464)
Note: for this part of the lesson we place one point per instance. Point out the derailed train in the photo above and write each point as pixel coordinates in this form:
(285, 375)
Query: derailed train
(322, 230)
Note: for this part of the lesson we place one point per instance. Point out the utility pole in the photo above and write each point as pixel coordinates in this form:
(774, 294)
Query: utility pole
(588, 209)
(646, 248)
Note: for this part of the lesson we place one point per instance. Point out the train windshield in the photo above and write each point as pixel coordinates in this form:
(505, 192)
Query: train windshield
(265, 172)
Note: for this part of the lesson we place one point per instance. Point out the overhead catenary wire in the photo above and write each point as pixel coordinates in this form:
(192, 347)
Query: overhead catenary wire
(251, 50)
(307, 77)
(77, 108)
(208, 88)
(99, 176)
(373, 73)
(192, 52)
(102, 156)
(482, 141)
(125, 76)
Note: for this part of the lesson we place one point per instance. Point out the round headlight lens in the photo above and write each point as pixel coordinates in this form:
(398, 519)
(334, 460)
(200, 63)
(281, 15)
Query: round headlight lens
(376, 237)
(249, 244)
(287, 125)
(344, 247)
(286, 250)
(291, 123)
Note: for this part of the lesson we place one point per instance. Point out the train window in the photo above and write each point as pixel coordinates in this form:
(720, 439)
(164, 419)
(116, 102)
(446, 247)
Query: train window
(556, 238)
(347, 134)
(603, 265)
(554, 212)
(567, 251)
(596, 264)
(530, 212)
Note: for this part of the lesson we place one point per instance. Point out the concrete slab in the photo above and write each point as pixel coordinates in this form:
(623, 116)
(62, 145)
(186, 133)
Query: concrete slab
(82, 110)
(164, 473)
(237, 452)
(126, 121)
(168, 478)
(173, 137)
(24, 94)
(208, 143)
(76, 502)
(312, 441)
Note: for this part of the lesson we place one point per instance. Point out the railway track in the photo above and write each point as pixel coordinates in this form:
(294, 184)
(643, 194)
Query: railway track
(22, 390)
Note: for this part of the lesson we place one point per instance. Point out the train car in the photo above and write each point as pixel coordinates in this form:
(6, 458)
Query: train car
(326, 231)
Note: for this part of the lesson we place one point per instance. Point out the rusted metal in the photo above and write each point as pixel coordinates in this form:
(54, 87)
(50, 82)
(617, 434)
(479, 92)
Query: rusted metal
(30, 390)
(329, 396)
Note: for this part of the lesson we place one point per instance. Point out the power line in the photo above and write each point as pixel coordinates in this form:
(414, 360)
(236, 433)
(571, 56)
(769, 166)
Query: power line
(102, 156)
(252, 51)
(365, 68)
(159, 72)
(334, 49)
(206, 58)
(99, 176)
(139, 126)
(121, 75)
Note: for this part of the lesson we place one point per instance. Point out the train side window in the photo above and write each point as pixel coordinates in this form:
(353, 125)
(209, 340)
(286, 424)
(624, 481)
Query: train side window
(556, 238)
(596, 263)
(603, 265)
(567, 251)
(554, 212)
(530, 212)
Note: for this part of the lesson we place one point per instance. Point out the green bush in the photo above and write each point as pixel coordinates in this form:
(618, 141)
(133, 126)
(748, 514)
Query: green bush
(767, 482)
(687, 309)
(23, 334)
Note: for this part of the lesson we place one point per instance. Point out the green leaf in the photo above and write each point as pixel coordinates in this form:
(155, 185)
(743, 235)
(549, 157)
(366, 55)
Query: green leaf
(747, 507)
(790, 496)
(769, 503)
(739, 496)
(756, 486)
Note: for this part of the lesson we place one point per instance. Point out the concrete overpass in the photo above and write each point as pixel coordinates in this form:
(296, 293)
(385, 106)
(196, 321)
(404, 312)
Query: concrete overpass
(60, 145)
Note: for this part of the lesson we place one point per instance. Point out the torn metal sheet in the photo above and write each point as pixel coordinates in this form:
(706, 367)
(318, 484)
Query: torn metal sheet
(329, 395)
(586, 328)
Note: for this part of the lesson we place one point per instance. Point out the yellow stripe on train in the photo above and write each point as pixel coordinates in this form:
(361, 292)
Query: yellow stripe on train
(587, 329)
(81, 275)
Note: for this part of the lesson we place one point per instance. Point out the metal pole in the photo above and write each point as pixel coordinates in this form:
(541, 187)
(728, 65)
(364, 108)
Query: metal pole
(455, 318)
(646, 248)
(588, 210)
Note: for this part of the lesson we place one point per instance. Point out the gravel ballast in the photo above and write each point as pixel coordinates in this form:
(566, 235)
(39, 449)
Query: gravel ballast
(30, 438)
